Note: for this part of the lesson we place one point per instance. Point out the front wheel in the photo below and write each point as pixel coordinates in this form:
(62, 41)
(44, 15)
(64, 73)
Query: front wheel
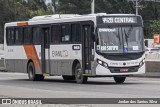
(79, 75)
(119, 80)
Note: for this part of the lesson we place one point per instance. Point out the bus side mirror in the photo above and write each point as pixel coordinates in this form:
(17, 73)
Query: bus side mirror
(146, 43)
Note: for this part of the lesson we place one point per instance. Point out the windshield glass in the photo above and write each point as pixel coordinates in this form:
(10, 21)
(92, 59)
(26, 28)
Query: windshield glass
(120, 39)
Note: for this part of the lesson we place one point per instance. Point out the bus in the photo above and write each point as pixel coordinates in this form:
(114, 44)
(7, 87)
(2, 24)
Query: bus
(76, 46)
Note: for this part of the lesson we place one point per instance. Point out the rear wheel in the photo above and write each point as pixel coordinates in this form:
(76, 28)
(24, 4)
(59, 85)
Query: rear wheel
(79, 75)
(119, 80)
(68, 77)
(40, 77)
(31, 73)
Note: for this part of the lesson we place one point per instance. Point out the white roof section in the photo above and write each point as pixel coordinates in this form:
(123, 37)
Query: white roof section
(60, 18)
(66, 16)
(56, 16)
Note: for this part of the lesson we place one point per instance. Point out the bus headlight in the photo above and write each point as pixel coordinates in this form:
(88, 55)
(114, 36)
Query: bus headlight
(102, 63)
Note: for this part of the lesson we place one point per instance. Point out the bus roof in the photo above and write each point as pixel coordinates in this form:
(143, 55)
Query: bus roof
(61, 18)
(65, 16)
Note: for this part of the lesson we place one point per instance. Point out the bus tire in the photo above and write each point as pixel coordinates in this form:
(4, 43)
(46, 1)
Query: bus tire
(40, 77)
(80, 79)
(31, 73)
(119, 80)
(68, 77)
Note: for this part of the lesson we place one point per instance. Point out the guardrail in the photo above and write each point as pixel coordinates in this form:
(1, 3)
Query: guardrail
(152, 57)
(2, 65)
(152, 65)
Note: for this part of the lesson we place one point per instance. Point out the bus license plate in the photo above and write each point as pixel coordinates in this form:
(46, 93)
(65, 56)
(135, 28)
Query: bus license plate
(124, 70)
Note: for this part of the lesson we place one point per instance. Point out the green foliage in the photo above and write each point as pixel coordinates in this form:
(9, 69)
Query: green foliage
(84, 6)
(19, 10)
(74, 6)
(155, 27)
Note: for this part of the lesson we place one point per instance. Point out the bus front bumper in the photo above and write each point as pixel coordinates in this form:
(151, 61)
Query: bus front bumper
(100, 70)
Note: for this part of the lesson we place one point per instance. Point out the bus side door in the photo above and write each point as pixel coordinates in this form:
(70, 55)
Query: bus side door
(45, 50)
(88, 45)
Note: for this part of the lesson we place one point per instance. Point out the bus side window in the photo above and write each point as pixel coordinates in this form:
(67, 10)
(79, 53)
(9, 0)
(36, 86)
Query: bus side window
(56, 34)
(36, 36)
(27, 32)
(76, 33)
(10, 36)
(19, 36)
(66, 33)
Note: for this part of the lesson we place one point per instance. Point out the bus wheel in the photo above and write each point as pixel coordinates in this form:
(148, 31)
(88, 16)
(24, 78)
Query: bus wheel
(79, 75)
(68, 77)
(119, 80)
(31, 73)
(40, 77)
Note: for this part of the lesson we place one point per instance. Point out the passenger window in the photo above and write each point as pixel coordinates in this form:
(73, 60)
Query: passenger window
(19, 36)
(76, 33)
(36, 36)
(27, 32)
(66, 33)
(56, 34)
(10, 36)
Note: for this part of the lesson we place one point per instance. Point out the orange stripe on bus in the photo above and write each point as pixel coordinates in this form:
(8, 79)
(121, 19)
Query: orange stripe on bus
(22, 23)
(32, 54)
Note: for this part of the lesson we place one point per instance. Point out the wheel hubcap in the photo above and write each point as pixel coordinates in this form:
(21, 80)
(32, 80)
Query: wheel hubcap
(79, 73)
(30, 73)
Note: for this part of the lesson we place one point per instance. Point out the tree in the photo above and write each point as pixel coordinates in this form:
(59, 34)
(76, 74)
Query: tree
(73, 6)
(84, 6)
(19, 10)
(154, 28)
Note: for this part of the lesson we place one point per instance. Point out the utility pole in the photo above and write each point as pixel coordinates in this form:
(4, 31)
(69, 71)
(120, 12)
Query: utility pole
(15, 12)
(93, 7)
(137, 7)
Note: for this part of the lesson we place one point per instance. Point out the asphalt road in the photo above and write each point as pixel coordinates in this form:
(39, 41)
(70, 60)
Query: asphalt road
(17, 85)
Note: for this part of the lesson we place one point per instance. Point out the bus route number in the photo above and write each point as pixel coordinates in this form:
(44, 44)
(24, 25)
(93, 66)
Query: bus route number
(76, 47)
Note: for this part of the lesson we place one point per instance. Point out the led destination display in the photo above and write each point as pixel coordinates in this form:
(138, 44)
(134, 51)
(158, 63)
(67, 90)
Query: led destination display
(119, 20)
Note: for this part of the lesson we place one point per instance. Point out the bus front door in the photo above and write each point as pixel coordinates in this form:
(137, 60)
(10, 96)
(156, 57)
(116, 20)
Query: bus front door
(45, 48)
(87, 48)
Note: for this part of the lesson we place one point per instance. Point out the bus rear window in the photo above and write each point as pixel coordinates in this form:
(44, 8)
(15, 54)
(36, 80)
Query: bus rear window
(10, 36)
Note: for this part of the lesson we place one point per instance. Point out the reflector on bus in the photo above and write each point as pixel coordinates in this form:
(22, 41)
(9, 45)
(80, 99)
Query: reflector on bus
(22, 23)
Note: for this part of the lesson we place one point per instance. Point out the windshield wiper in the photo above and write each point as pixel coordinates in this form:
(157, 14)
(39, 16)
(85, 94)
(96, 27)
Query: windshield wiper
(118, 36)
(128, 33)
(126, 36)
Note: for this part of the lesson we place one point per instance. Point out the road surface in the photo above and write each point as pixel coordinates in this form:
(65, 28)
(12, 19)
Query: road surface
(17, 85)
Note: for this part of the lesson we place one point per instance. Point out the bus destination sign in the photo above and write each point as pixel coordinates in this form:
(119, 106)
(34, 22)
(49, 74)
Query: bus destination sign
(119, 19)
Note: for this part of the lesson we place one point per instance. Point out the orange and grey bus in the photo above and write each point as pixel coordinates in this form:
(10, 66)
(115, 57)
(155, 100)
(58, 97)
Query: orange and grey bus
(76, 46)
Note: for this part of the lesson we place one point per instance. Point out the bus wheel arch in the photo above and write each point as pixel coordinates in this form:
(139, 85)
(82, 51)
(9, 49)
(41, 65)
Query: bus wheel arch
(75, 62)
(78, 72)
(31, 72)
(29, 61)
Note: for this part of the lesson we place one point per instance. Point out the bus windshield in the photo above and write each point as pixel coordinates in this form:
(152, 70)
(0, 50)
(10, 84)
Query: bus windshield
(120, 39)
